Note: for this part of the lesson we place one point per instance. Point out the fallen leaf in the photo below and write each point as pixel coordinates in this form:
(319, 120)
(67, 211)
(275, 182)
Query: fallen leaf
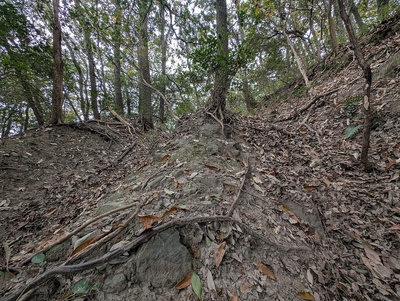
(185, 282)
(220, 254)
(291, 214)
(172, 210)
(266, 271)
(326, 181)
(7, 252)
(210, 281)
(212, 167)
(84, 245)
(374, 257)
(148, 221)
(391, 162)
(395, 227)
(257, 180)
(310, 187)
(234, 298)
(169, 192)
(258, 188)
(196, 285)
(165, 158)
(176, 184)
(305, 296)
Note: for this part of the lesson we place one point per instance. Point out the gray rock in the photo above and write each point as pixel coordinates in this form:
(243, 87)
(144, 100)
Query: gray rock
(115, 283)
(163, 261)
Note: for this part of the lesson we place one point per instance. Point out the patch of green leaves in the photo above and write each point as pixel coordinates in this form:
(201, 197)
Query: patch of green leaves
(39, 258)
(196, 285)
(83, 287)
(352, 130)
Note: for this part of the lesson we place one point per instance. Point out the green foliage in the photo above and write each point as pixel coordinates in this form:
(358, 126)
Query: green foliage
(39, 258)
(83, 287)
(351, 130)
(196, 285)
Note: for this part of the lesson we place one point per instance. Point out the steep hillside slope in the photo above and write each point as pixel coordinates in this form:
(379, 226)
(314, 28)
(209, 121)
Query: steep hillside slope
(275, 208)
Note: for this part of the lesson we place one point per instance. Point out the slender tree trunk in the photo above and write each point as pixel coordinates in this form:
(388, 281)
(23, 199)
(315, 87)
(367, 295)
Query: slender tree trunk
(354, 11)
(332, 26)
(221, 81)
(251, 103)
(117, 58)
(298, 59)
(92, 75)
(83, 103)
(161, 112)
(57, 102)
(145, 107)
(367, 87)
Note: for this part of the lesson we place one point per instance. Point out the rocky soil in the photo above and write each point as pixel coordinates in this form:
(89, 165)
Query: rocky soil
(269, 207)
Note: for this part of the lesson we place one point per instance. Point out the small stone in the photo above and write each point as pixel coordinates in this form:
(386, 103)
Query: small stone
(115, 283)
(163, 261)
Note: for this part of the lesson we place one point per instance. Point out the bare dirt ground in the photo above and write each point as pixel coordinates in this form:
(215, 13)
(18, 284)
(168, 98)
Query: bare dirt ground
(276, 208)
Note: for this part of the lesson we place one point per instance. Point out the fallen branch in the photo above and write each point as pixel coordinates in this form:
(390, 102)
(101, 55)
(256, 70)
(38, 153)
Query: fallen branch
(305, 108)
(107, 238)
(126, 151)
(230, 211)
(77, 230)
(142, 238)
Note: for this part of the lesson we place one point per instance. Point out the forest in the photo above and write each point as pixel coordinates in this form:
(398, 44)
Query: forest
(200, 150)
(156, 60)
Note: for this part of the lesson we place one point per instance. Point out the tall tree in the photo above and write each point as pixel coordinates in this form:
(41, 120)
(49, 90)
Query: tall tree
(145, 107)
(117, 56)
(367, 87)
(92, 74)
(161, 111)
(57, 100)
(331, 25)
(218, 97)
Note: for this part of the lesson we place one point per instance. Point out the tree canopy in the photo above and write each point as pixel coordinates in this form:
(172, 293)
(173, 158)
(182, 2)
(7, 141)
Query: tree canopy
(157, 59)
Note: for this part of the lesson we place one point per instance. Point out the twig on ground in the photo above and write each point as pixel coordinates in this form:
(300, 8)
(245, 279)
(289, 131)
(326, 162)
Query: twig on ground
(301, 110)
(107, 238)
(126, 151)
(142, 238)
(230, 211)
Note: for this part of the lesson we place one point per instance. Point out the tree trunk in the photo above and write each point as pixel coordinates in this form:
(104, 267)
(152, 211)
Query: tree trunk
(332, 26)
(57, 99)
(221, 81)
(117, 58)
(92, 75)
(354, 11)
(83, 103)
(145, 107)
(367, 87)
(251, 103)
(161, 112)
(298, 59)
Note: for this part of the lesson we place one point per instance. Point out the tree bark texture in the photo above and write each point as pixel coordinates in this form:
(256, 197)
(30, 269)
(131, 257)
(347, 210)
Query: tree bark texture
(92, 75)
(367, 87)
(145, 107)
(332, 27)
(57, 97)
(218, 97)
(83, 104)
(161, 111)
(117, 58)
(298, 59)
